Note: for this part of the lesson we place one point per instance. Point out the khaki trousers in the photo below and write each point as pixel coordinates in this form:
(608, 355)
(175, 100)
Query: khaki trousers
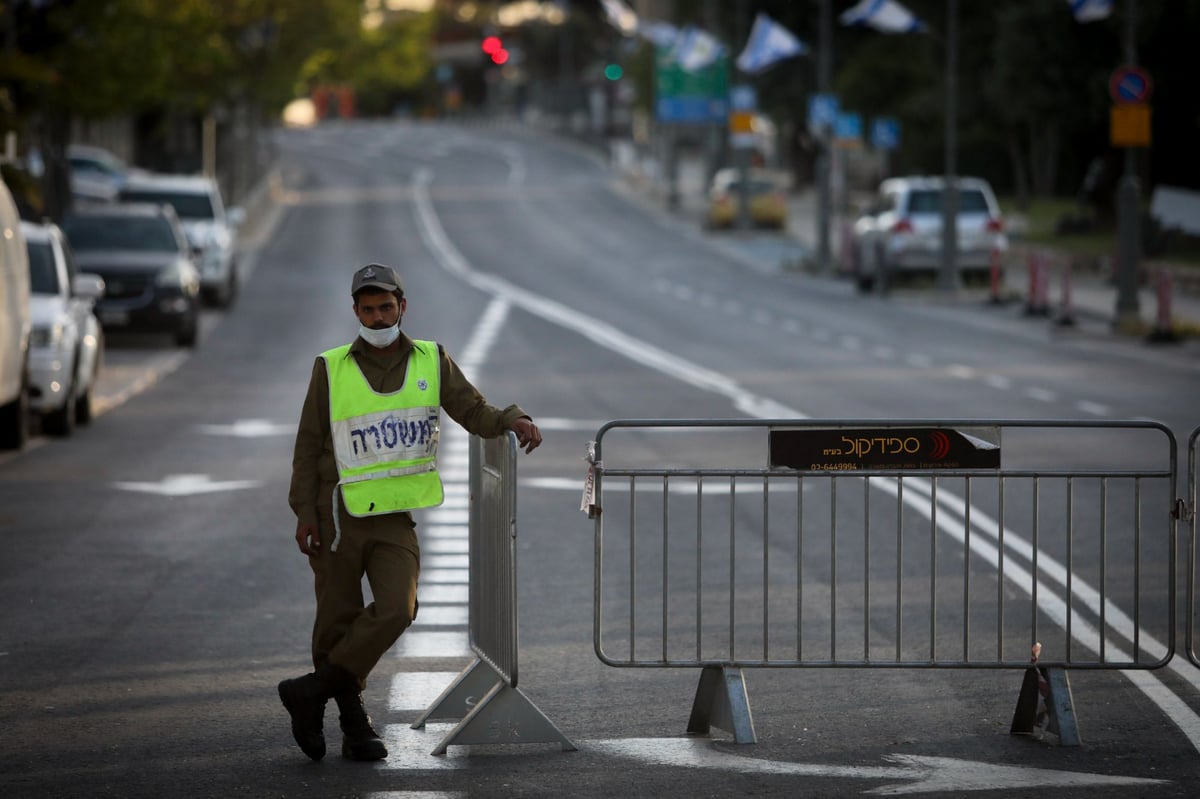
(347, 632)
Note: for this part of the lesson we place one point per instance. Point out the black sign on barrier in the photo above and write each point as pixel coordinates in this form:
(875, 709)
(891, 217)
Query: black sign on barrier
(857, 449)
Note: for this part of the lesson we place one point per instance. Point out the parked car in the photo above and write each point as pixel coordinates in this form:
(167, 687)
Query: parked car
(97, 174)
(210, 229)
(141, 252)
(900, 232)
(768, 199)
(66, 346)
(14, 326)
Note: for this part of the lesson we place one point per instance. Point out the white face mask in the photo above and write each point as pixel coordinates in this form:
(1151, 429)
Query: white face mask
(379, 338)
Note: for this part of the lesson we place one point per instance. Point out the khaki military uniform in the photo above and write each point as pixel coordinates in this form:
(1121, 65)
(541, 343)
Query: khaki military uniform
(348, 632)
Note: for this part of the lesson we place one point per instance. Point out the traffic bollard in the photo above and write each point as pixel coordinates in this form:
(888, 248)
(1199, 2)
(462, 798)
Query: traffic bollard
(1066, 312)
(997, 296)
(1163, 330)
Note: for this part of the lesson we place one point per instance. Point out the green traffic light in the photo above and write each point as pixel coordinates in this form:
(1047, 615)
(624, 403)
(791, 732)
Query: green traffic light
(613, 72)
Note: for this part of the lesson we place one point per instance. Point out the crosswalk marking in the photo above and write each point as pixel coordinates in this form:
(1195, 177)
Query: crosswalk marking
(442, 616)
(416, 690)
(425, 644)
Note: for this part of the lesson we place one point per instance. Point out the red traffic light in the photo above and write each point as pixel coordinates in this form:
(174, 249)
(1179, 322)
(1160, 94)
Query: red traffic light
(494, 47)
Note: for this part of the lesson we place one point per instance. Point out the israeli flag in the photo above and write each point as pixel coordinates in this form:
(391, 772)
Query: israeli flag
(769, 42)
(1090, 10)
(696, 49)
(887, 16)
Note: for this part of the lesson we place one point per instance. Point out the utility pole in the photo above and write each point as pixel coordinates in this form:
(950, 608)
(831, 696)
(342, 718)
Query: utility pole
(824, 137)
(948, 277)
(742, 154)
(1129, 245)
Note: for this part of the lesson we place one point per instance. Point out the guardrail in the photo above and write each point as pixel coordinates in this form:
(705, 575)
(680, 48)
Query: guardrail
(484, 696)
(976, 544)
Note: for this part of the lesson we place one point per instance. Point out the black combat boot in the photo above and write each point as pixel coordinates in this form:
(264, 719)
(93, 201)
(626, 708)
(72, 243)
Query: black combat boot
(305, 698)
(359, 739)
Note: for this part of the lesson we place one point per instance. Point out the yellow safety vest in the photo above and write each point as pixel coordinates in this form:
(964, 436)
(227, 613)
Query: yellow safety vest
(386, 444)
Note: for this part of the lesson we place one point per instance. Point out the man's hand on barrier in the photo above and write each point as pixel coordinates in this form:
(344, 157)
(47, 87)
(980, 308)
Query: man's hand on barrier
(528, 435)
(308, 538)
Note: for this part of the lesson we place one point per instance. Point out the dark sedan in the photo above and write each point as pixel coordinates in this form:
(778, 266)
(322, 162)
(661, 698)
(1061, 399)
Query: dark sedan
(151, 283)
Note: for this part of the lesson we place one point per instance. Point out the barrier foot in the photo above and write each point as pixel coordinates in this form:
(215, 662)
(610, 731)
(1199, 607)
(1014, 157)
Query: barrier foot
(504, 716)
(460, 696)
(1045, 701)
(721, 702)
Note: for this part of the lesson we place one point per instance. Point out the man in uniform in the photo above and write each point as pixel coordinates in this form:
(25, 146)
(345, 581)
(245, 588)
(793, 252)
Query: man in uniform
(365, 456)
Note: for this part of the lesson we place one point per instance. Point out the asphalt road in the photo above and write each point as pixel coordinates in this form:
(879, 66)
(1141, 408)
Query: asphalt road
(153, 595)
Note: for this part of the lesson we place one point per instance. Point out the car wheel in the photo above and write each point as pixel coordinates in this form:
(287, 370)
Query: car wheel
(85, 402)
(230, 292)
(188, 333)
(60, 422)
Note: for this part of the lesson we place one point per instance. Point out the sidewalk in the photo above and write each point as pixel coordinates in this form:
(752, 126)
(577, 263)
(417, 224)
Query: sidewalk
(1089, 295)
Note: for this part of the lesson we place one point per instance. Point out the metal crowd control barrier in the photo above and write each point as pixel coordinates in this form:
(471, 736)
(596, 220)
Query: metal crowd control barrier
(484, 696)
(1187, 511)
(975, 544)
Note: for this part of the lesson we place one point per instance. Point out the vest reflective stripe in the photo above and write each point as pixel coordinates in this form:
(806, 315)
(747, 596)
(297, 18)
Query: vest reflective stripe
(385, 445)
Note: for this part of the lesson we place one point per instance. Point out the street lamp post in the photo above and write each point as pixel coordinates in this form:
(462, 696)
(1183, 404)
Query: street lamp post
(1128, 315)
(948, 278)
(825, 138)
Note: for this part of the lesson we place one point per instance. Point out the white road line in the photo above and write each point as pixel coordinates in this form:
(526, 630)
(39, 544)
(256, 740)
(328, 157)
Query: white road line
(417, 690)
(442, 616)
(1040, 394)
(445, 593)
(689, 373)
(998, 382)
(422, 644)
(444, 576)
(442, 561)
(1094, 408)
(960, 371)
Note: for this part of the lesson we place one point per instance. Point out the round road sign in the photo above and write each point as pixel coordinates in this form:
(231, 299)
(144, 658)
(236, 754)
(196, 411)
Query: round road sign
(1129, 84)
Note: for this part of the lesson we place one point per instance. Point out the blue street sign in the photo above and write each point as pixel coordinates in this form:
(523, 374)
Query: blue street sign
(822, 112)
(848, 126)
(885, 133)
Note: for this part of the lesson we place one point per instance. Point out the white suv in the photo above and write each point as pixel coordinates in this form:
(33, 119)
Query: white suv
(66, 345)
(210, 229)
(900, 233)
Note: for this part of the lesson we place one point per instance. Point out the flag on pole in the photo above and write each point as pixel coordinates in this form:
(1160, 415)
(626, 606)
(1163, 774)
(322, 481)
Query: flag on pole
(769, 42)
(1090, 10)
(662, 34)
(620, 16)
(887, 16)
(696, 49)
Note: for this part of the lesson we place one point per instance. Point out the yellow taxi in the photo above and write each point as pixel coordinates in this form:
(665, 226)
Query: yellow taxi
(768, 199)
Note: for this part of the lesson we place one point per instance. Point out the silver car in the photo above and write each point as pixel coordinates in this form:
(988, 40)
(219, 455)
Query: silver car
(900, 233)
(211, 229)
(66, 346)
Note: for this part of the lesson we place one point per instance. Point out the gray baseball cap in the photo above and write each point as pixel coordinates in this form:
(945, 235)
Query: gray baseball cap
(376, 276)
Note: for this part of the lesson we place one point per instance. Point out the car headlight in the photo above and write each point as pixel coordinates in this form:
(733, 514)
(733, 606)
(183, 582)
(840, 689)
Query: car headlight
(47, 337)
(178, 274)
